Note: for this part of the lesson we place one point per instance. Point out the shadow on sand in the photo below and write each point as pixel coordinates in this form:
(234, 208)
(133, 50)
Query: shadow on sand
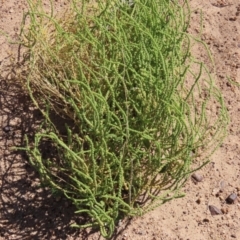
(28, 209)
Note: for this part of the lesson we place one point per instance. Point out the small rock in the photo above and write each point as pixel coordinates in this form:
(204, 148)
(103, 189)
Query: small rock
(197, 177)
(6, 129)
(224, 210)
(221, 198)
(232, 19)
(222, 185)
(140, 232)
(198, 201)
(231, 198)
(215, 191)
(205, 220)
(214, 210)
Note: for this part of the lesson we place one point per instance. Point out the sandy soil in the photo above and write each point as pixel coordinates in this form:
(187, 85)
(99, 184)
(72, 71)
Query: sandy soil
(29, 212)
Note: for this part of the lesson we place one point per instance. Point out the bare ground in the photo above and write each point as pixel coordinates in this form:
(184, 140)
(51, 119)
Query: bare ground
(28, 211)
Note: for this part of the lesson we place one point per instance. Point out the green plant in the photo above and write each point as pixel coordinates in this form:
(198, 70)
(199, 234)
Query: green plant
(134, 100)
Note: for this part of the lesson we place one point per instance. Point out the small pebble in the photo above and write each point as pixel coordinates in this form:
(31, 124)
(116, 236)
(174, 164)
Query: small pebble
(221, 198)
(231, 198)
(222, 185)
(224, 210)
(197, 177)
(205, 220)
(214, 210)
(6, 129)
(198, 201)
(215, 192)
(232, 19)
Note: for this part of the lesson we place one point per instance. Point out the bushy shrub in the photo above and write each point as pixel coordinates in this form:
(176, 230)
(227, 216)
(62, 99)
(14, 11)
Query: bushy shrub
(136, 113)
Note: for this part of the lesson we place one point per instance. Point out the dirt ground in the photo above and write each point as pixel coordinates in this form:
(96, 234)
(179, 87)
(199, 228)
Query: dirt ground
(29, 212)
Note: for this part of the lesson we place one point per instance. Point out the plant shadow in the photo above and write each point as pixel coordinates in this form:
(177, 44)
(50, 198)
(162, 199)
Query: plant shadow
(28, 209)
